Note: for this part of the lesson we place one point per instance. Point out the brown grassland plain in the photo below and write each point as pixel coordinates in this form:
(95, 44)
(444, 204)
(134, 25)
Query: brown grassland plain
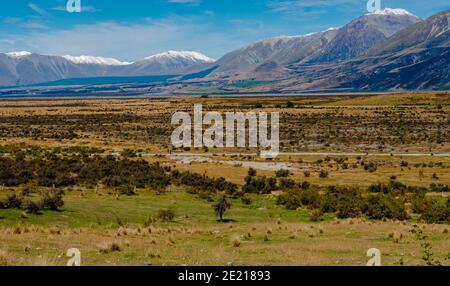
(406, 136)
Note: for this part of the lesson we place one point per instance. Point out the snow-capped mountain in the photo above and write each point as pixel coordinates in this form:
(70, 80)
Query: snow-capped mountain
(364, 33)
(414, 58)
(171, 62)
(333, 44)
(90, 60)
(19, 54)
(24, 68)
(391, 11)
(272, 53)
(181, 55)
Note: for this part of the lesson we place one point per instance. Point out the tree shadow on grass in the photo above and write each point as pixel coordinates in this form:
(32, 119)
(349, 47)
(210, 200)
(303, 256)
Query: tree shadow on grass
(226, 220)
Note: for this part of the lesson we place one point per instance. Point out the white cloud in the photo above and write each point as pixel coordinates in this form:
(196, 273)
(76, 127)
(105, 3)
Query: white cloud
(130, 41)
(37, 9)
(84, 8)
(191, 2)
(310, 6)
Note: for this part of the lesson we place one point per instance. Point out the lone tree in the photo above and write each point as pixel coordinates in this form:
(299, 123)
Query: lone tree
(221, 207)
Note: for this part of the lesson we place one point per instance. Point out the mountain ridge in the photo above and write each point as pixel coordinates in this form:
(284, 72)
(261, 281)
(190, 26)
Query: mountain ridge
(25, 68)
(387, 50)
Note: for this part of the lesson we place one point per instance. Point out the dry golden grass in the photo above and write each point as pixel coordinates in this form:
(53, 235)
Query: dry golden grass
(295, 244)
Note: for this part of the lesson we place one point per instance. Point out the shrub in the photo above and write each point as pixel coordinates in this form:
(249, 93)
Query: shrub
(206, 195)
(384, 206)
(370, 167)
(251, 172)
(304, 185)
(290, 104)
(259, 185)
(282, 173)
(52, 199)
(394, 188)
(166, 215)
(203, 183)
(26, 191)
(287, 183)
(307, 173)
(128, 153)
(349, 206)
(31, 207)
(316, 215)
(291, 199)
(309, 198)
(236, 241)
(294, 199)
(12, 202)
(418, 203)
(127, 190)
(64, 171)
(221, 207)
(329, 201)
(435, 211)
(246, 200)
(439, 188)
(110, 247)
(323, 174)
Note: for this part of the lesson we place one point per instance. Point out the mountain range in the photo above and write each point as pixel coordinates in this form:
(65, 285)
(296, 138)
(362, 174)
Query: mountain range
(25, 68)
(390, 49)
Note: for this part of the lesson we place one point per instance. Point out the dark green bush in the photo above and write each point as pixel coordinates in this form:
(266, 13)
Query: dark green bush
(12, 202)
(323, 174)
(166, 215)
(246, 200)
(385, 206)
(31, 207)
(282, 173)
(370, 167)
(304, 185)
(52, 199)
(127, 190)
(316, 215)
(203, 183)
(259, 185)
(57, 171)
(286, 183)
(294, 199)
(349, 206)
(436, 211)
(291, 199)
(333, 194)
(439, 188)
(394, 188)
(251, 172)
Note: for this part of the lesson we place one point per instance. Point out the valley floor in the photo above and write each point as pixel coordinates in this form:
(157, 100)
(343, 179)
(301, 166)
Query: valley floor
(356, 141)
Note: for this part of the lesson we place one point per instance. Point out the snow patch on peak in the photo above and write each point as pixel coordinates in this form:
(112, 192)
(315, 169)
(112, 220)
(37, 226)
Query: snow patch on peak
(188, 55)
(332, 29)
(95, 60)
(393, 11)
(19, 54)
(275, 40)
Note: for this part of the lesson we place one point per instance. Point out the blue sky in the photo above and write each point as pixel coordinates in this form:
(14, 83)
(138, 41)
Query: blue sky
(133, 29)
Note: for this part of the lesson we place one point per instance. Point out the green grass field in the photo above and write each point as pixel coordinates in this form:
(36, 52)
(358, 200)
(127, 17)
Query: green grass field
(260, 234)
